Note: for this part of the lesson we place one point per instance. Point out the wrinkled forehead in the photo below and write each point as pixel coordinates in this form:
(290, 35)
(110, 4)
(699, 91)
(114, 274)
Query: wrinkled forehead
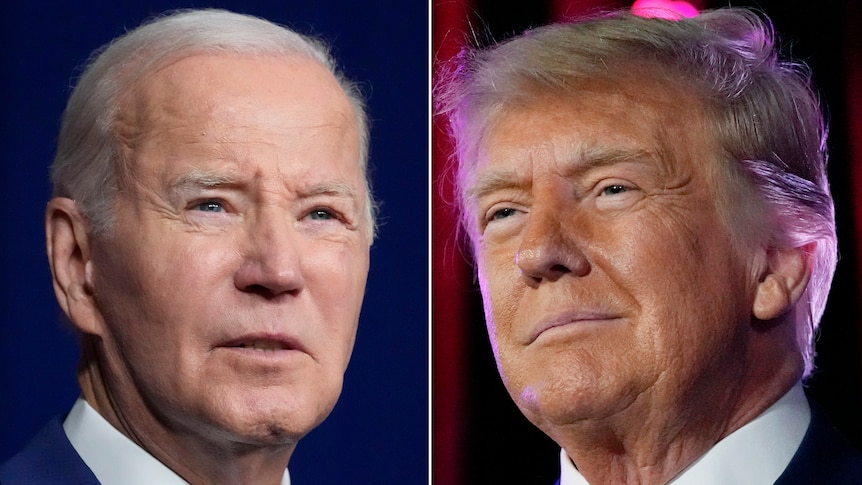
(233, 98)
(653, 119)
(206, 83)
(650, 98)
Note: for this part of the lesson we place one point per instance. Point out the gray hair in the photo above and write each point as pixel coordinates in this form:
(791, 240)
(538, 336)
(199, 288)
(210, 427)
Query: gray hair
(763, 110)
(86, 165)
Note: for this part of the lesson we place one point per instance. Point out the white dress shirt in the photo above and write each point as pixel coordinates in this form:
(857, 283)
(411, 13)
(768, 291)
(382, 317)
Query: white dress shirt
(755, 454)
(112, 456)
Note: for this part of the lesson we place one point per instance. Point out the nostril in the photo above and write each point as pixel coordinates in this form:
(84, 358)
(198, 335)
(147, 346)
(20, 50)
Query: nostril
(268, 293)
(559, 268)
(257, 289)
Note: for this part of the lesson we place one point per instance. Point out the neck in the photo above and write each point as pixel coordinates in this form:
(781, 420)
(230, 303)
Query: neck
(652, 442)
(214, 459)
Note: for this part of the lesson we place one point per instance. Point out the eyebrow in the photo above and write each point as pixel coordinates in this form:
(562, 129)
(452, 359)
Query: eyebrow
(493, 181)
(335, 188)
(578, 162)
(203, 179)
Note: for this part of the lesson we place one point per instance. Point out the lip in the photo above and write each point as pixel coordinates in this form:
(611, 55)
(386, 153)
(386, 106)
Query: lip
(577, 317)
(263, 343)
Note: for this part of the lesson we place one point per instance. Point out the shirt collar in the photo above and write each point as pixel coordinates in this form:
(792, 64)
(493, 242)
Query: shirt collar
(112, 456)
(758, 452)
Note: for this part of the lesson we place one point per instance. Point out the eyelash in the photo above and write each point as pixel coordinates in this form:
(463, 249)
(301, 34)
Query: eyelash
(502, 213)
(329, 213)
(614, 189)
(207, 204)
(218, 208)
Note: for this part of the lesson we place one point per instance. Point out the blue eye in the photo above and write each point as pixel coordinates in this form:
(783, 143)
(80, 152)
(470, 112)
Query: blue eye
(321, 215)
(210, 206)
(614, 189)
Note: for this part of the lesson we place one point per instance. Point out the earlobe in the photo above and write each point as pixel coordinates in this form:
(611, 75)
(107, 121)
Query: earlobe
(68, 244)
(783, 281)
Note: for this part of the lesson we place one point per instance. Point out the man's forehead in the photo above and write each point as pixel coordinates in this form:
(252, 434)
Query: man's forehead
(530, 132)
(238, 118)
(227, 91)
(200, 84)
(598, 125)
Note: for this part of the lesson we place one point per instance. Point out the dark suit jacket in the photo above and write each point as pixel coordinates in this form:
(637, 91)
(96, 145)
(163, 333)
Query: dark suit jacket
(824, 457)
(48, 459)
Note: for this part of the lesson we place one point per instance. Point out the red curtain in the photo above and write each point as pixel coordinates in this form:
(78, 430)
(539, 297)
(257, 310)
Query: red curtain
(853, 87)
(449, 25)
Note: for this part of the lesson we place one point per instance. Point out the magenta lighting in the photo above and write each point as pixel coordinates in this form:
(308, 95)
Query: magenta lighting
(664, 9)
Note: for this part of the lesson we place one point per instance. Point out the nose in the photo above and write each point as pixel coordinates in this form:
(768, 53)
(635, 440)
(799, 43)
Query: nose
(549, 248)
(272, 261)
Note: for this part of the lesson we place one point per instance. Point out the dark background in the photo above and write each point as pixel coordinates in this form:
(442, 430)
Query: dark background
(485, 437)
(378, 432)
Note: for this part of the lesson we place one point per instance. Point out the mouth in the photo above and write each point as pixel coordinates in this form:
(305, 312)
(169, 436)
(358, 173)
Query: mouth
(581, 319)
(263, 343)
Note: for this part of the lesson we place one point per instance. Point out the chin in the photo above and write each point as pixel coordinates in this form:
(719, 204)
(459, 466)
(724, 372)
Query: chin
(568, 397)
(272, 421)
(559, 407)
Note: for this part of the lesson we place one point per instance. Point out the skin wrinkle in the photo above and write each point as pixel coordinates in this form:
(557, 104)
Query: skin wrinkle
(134, 109)
(199, 185)
(264, 260)
(333, 189)
(639, 397)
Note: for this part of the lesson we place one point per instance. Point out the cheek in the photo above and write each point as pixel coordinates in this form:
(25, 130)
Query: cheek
(498, 281)
(159, 286)
(335, 276)
(688, 280)
(344, 271)
(665, 247)
(187, 277)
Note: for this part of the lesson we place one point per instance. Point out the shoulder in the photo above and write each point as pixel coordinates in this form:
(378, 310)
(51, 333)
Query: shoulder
(48, 458)
(824, 456)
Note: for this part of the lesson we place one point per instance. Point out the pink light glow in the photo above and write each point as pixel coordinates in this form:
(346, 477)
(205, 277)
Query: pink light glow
(664, 9)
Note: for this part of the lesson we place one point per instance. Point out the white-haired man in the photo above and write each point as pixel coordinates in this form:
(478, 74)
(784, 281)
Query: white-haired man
(209, 238)
(654, 237)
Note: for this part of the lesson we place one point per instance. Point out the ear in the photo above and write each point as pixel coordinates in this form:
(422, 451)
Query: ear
(783, 281)
(68, 241)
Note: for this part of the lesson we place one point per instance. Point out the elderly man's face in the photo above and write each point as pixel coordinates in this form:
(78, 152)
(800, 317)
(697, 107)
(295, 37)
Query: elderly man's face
(231, 284)
(609, 275)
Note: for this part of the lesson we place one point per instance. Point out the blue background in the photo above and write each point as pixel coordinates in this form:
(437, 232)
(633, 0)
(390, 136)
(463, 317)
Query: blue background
(378, 431)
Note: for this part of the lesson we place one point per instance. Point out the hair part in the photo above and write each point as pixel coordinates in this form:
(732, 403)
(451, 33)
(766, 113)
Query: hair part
(763, 109)
(89, 158)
